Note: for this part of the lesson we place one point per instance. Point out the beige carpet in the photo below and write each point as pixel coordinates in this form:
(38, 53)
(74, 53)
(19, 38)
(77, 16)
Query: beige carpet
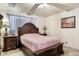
(18, 52)
(70, 52)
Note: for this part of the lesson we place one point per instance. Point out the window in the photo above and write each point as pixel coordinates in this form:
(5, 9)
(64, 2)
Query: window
(16, 21)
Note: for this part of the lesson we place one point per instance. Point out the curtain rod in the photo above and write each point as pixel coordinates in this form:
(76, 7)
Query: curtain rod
(20, 16)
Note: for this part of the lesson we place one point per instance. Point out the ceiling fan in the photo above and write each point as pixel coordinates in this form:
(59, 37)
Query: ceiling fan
(57, 5)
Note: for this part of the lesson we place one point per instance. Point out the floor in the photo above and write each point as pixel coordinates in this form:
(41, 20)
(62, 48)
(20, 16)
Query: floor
(18, 52)
(70, 52)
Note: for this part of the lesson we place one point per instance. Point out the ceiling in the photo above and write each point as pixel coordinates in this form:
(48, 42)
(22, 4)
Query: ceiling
(39, 9)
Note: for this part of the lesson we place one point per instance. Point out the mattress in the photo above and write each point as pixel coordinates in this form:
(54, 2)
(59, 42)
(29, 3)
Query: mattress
(37, 42)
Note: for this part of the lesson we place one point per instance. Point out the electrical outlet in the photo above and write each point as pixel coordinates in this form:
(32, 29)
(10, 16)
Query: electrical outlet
(66, 42)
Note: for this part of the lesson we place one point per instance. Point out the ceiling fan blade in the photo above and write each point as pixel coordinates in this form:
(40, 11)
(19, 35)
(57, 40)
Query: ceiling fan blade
(61, 6)
(11, 4)
(33, 9)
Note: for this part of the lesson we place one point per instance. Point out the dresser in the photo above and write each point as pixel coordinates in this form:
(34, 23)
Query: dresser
(10, 42)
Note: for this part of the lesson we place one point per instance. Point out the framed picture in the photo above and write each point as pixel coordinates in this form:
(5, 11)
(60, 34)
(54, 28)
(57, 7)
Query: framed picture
(68, 22)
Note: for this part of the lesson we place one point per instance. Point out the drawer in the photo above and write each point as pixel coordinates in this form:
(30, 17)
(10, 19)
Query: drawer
(10, 47)
(10, 40)
(10, 43)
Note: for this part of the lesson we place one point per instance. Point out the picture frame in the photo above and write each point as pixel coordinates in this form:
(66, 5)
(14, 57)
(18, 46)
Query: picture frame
(68, 22)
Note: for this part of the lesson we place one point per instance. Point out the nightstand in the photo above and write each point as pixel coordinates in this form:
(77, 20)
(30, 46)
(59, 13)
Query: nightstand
(44, 34)
(10, 42)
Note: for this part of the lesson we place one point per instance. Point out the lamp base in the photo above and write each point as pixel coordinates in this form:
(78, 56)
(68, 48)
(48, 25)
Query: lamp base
(6, 34)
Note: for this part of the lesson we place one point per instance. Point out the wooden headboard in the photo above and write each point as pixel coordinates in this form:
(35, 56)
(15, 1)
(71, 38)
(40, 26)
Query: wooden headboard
(27, 28)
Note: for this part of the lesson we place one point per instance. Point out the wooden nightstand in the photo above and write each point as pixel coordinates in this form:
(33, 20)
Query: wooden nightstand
(10, 43)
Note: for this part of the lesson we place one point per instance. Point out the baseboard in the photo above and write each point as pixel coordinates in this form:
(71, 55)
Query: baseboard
(70, 48)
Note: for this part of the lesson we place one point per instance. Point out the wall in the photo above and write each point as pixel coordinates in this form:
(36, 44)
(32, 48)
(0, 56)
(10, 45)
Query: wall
(69, 35)
(52, 24)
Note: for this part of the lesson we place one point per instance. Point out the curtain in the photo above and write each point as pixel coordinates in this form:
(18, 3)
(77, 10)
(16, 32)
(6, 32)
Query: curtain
(12, 24)
(18, 21)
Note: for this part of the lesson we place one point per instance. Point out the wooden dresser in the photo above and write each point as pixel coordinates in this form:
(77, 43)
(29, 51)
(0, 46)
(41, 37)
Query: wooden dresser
(10, 43)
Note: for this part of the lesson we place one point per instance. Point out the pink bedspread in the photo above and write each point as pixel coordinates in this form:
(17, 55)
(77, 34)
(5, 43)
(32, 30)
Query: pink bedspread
(37, 42)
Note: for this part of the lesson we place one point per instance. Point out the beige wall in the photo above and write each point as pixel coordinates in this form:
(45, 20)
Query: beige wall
(70, 35)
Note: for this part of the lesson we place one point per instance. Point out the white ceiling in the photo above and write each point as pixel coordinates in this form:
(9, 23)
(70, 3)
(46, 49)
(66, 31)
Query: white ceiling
(40, 9)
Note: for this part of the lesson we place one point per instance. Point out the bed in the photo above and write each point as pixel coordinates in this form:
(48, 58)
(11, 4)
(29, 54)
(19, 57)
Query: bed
(34, 44)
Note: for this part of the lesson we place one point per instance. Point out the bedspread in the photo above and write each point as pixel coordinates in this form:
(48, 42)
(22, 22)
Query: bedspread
(37, 42)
